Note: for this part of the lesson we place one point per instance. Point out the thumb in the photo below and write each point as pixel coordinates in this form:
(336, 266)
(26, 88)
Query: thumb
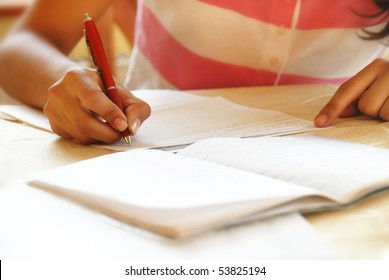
(136, 110)
(137, 113)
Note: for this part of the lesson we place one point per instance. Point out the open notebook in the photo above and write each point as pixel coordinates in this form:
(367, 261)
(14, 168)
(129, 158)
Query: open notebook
(180, 118)
(221, 181)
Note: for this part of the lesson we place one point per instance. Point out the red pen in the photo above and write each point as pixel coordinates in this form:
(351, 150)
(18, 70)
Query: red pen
(99, 58)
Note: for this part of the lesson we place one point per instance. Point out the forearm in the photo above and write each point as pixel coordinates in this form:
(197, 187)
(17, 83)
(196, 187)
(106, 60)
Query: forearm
(29, 66)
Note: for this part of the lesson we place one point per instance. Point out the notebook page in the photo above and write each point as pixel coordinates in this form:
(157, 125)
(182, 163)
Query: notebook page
(188, 123)
(337, 168)
(162, 180)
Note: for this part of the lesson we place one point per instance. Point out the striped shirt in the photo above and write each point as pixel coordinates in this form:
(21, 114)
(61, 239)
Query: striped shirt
(195, 44)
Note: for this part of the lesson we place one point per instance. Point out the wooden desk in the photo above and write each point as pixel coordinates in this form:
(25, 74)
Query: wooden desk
(358, 232)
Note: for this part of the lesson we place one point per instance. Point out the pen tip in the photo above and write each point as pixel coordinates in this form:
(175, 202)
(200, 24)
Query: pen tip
(128, 140)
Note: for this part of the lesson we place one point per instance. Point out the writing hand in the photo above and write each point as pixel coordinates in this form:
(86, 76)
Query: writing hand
(76, 102)
(367, 93)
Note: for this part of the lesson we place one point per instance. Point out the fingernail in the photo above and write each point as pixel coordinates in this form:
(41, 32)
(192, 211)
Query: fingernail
(120, 124)
(321, 120)
(135, 126)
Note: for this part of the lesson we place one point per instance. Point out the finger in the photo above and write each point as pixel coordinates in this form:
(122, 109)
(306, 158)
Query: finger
(79, 124)
(375, 96)
(56, 117)
(61, 125)
(88, 129)
(347, 93)
(60, 131)
(351, 110)
(96, 101)
(137, 111)
(384, 110)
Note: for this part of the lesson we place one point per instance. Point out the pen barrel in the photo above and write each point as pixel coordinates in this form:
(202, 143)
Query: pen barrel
(125, 133)
(113, 95)
(99, 57)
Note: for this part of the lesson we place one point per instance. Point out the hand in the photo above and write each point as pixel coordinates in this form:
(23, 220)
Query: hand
(367, 93)
(76, 104)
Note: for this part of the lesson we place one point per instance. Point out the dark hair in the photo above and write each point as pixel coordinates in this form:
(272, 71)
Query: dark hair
(382, 15)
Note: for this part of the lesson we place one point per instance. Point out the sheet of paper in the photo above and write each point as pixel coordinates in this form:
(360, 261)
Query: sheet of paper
(334, 167)
(68, 231)
(176, 182)
(179, 119)
(26, 115)
(188, 123)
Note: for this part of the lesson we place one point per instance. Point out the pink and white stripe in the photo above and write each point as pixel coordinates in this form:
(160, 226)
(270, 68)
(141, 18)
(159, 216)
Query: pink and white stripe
(192, 44)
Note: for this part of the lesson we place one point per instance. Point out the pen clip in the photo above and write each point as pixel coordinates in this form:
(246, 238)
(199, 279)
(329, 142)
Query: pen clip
(91, 52)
